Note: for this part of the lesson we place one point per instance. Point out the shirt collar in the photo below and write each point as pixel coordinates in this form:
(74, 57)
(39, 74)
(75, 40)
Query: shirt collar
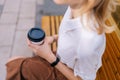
(72, 24)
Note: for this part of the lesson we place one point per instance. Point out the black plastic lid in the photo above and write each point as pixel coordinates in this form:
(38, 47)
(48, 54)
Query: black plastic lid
(36, 35)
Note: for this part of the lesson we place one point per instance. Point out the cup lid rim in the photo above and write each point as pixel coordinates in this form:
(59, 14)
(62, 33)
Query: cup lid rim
(33, 39)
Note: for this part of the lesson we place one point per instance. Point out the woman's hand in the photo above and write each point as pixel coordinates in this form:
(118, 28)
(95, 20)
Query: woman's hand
(44, 50)
(55, 37)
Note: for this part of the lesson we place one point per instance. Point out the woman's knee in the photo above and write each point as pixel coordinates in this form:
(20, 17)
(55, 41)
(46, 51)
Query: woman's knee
(14, 58)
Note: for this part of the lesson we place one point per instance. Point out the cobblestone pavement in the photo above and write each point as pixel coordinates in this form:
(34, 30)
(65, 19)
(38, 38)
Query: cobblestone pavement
(16, 18)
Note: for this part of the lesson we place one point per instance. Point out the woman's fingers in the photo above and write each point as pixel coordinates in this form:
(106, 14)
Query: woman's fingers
(31, 45)
(50, 39)
(55, 37)
(28, 41)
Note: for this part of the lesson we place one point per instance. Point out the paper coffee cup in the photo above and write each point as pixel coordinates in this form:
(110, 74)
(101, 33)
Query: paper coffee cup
(36, 36)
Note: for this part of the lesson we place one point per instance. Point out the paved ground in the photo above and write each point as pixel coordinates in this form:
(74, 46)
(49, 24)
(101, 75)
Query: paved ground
(47, 7)
(16, 18)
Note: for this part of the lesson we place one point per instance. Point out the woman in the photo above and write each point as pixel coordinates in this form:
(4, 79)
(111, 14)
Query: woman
(81, 44)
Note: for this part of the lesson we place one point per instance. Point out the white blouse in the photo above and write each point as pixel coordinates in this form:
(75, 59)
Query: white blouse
(78, 48)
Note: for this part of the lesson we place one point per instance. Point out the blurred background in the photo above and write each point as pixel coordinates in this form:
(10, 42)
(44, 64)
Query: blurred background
(116, 16)
(16, 18)
(48, 8)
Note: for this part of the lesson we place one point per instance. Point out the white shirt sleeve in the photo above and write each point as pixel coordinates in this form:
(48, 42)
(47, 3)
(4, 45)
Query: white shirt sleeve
(89, 55)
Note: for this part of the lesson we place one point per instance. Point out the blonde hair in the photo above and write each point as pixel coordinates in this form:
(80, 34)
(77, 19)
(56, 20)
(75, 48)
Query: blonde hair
(102, 11)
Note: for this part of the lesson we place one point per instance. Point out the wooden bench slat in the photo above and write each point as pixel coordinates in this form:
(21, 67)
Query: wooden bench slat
(118, 76)
(112, 64)
(116, 40)
(46, 25)
(102, 74)
(57, 18)
(61, 17)
(53, 31)
(114, 46)
(98, 77)
(57, 23)
(111, 51)
(113, 34)
(107, 67)
(108, 70)
(102, 71)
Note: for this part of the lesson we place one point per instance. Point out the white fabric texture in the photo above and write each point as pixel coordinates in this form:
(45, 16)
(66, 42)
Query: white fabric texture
(78, 48)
